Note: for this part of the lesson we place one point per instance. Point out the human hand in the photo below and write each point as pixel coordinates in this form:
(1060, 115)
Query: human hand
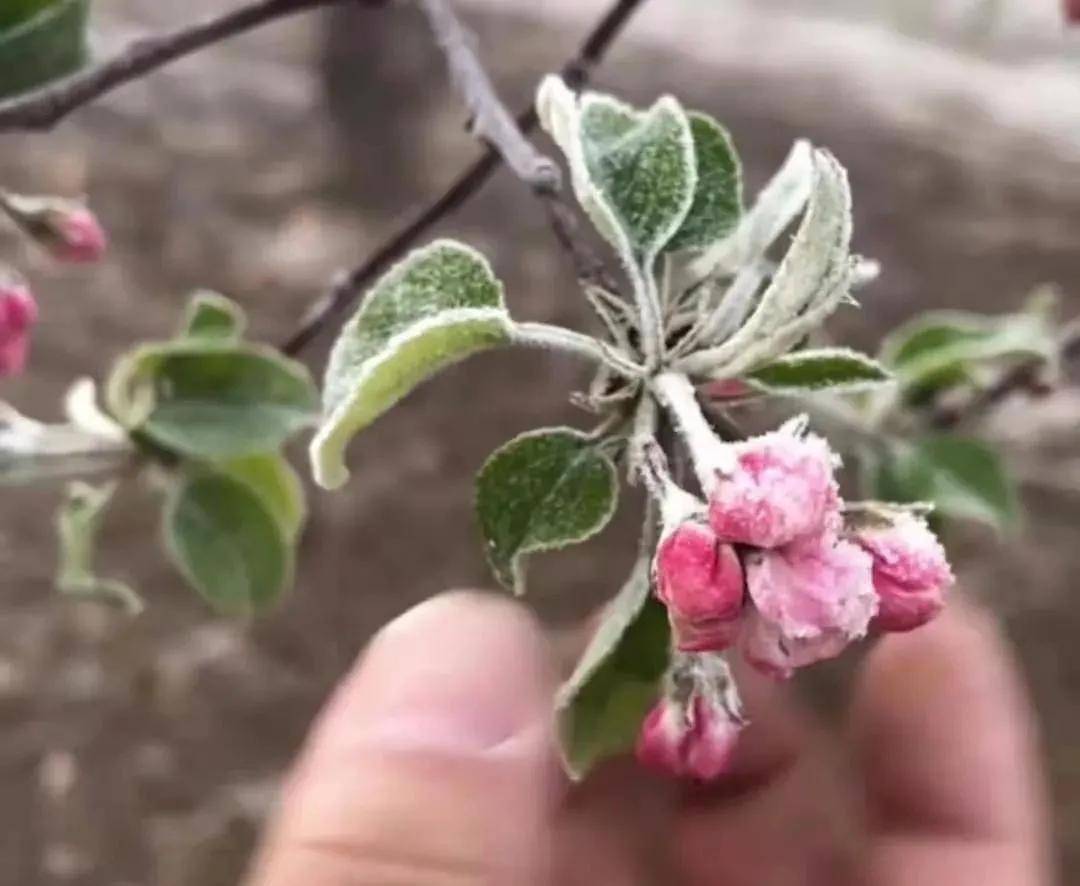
(433, 765)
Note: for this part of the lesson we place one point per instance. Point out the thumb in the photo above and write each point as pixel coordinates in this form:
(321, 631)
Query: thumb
(431, 764)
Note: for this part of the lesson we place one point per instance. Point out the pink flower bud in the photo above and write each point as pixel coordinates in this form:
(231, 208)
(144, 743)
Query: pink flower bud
(812, 598)
(783, 488)
(911, 572)
(79, 236)
(1072, 11)
(18, 314)
(693, 741)
(67, 229)
(701, 582)
(768, 650)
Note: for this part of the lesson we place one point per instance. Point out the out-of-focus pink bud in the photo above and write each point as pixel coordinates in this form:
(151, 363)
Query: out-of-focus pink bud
(813, 597)
(18, 314)
(1072, 11)
(701, 582)
(782, 488)
(67, 229)
(693, 741)
(911, 572)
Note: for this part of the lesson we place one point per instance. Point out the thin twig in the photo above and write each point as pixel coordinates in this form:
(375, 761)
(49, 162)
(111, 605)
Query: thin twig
(491, 121)
(44, 108)
(345, 292)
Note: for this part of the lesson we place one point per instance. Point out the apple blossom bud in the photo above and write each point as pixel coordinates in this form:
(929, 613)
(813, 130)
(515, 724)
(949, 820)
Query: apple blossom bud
(18, 314)
(911, 572)
(67, 229)
(782, 488)
(765, 647)
(811, 599)
(701, 582)
(688, 741)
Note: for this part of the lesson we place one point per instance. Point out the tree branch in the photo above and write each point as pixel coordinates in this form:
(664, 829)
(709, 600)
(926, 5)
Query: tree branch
(45, 107)
(491, 121)
(348, 289)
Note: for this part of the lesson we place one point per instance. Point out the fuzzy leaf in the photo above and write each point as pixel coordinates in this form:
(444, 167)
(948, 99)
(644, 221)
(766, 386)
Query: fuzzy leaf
(811, 282)
(718, 196)
(77, 523)
(438, 306)
(939, 348)
(212, 316)
(212, 399)
(833, 369)
(641, 169)
(775, 208)
(963, 478)
(601, 707)
(277, 484)
(40, 40)
(227, 543)
(542, 491)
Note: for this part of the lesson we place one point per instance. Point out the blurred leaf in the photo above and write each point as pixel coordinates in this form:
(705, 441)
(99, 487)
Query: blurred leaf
(212, 316)
(438, 306)
(963, 478)
(833, 369)
(718, 196)
(542, 491)
(939, 349)
(40, 41)
(279, 486)
(601, 707)
(227, 543)
(77, 523)
(212, 399)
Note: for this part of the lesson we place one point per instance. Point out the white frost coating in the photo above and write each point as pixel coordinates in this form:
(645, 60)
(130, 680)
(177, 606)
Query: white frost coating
(779, 202)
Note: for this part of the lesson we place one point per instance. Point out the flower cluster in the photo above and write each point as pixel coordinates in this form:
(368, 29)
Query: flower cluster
(775, 568)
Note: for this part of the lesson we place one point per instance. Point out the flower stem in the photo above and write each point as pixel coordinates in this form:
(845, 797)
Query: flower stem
(543, 335)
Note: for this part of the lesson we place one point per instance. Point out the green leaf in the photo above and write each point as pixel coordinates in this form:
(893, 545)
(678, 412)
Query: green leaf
(964, 479)
(438, 306)
(640, 170)
(212, 316)
(276, 483)
(40, 40)
(718, 198)
(542, 491)
(833, 369)
(227, 543)
(601, 707)
(77, 524)
(212, 399)
(938, 349)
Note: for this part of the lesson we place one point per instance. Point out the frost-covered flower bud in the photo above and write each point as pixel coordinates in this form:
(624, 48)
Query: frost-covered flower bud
(911, 572)
(781, 489)
(701, 582)
(811, 598)
(18, 313)
(67, 229)
(693, 740)
(768, 650)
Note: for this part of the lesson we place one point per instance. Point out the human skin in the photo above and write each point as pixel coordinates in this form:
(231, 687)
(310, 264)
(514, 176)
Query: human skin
(433, 765)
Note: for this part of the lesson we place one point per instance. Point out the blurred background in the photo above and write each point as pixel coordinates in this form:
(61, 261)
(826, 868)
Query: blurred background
(148, 751)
